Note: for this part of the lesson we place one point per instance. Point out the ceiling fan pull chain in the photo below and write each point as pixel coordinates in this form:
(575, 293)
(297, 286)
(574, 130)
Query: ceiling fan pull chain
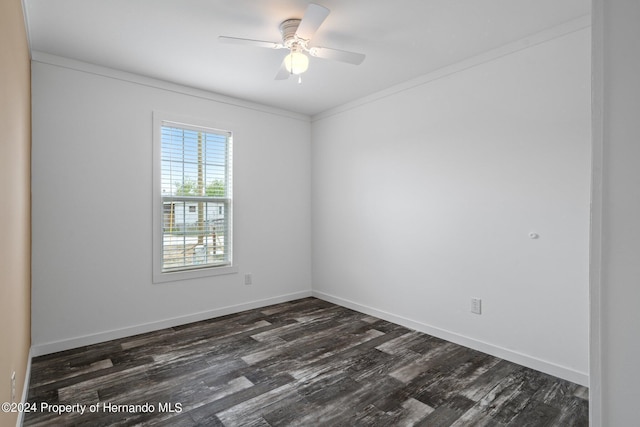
(290, 56)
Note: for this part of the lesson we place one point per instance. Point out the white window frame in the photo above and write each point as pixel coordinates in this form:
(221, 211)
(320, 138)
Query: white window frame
(159, 118)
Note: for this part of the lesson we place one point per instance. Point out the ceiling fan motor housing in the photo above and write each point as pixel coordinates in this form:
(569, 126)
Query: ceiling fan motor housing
(288, 30)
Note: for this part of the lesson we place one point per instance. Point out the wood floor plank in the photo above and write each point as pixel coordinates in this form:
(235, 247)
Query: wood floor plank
(301, 363)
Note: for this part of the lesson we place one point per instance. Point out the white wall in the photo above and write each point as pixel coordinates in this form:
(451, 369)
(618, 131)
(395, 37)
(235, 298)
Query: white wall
(615, 348)
(92, 156)
(425, 197)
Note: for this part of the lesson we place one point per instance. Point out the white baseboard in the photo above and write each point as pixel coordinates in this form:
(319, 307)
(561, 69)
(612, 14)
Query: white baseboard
(503, 353)
(67, 344)
(25, 389)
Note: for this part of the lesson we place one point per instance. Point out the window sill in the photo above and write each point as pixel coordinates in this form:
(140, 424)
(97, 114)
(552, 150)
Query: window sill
(193, 274)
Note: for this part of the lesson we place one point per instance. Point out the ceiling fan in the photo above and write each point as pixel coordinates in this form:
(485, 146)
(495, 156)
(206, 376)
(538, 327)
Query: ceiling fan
(296, 37)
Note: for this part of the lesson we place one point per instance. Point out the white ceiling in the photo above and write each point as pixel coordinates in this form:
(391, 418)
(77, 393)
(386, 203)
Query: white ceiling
(176, 40)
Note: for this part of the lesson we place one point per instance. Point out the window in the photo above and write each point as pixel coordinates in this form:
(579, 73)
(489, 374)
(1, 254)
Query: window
(192, 200)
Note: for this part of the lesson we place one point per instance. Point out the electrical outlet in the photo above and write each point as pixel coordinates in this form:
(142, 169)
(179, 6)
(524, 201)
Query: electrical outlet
(476, 305)
(248, 279)
(13, 387)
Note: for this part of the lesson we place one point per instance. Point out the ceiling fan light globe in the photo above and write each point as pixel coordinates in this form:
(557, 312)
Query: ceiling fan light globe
(296, 62)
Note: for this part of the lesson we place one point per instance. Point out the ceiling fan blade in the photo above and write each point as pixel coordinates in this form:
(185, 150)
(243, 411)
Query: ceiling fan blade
(337, 55)
(313, 17)
(250, 42)
(283, 74)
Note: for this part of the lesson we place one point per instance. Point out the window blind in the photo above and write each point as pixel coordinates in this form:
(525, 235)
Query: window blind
(196, 188)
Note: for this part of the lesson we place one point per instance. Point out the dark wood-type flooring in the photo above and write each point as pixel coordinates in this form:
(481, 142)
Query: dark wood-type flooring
(302, 363)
